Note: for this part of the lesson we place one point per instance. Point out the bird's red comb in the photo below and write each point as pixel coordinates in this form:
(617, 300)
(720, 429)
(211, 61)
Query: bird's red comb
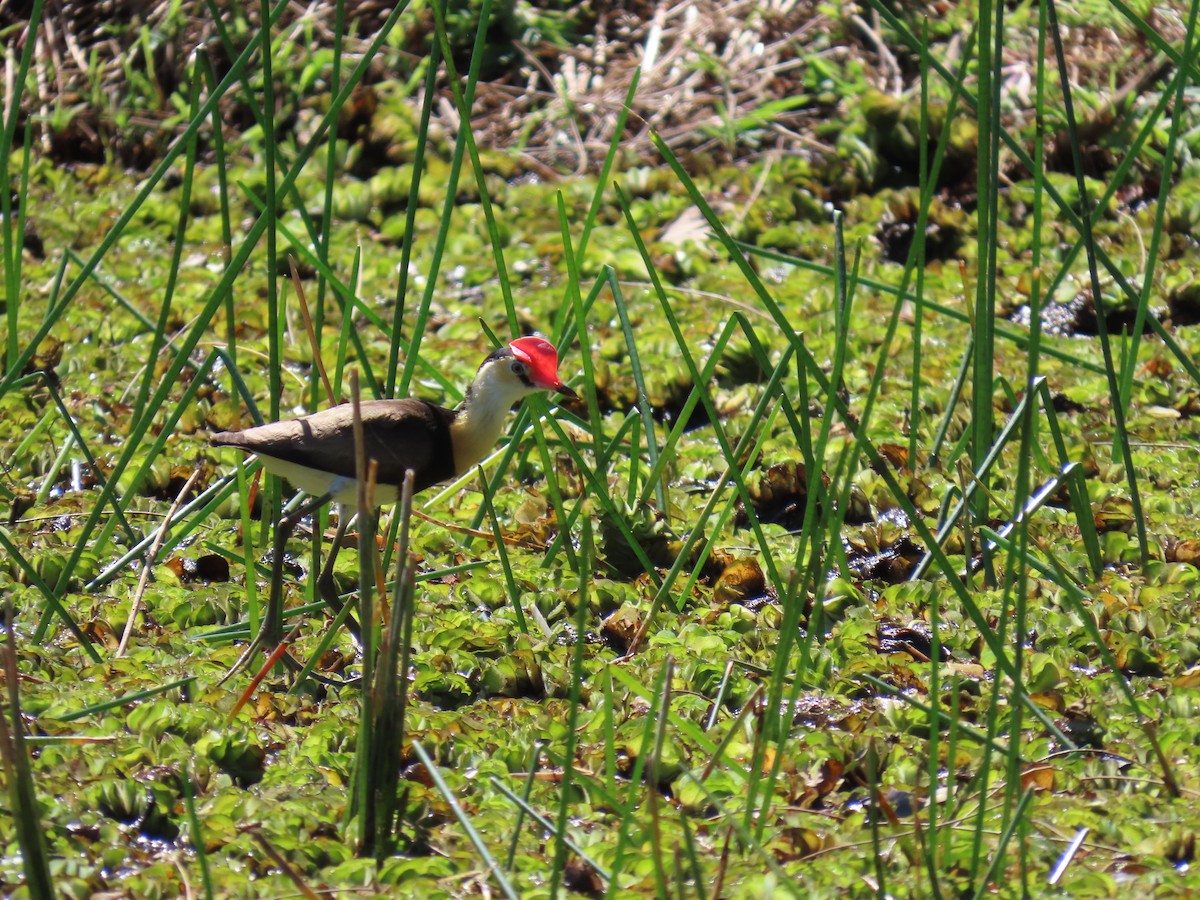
(541, 357)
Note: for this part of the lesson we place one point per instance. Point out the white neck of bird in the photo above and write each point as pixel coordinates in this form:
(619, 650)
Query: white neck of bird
(480, 418)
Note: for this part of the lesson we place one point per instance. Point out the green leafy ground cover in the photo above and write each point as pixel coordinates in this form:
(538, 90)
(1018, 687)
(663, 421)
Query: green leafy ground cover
(694, 668)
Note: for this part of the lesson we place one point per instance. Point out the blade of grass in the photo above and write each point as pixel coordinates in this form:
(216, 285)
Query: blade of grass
(99, 278)
(468, 138)
(269, 170)
(14, 240)
(196, 836)
(34, 435)
(917, 252)
(525, 809)
(978, 480)
(325, 231)
(13, 230)
(960, 379)
(350, 334)
(1114, 390)
(126, 699)
(633, 802)
(558, 502)
(468, 826)
(148, 563)
(390, 702)
(1177, 91)
(874, 814)
(23, 804)
(567, 326)
(446, 218)
(985, 884)
(585, 347)
(361, 808)
(935, 717)
(571, 729)
(820, 519)
(953, 796)
(318, 377)
(639, 380)
(53, 605)
(328, 636)
(159, 330)
(660, 735)
(783, 882)
(429, 96)
(990, 22)
(202, 63)
(77, 440)
(506, 567)
(833, 514)
(1156, 40)
(50, 476)
(670, 443)
(253, 602)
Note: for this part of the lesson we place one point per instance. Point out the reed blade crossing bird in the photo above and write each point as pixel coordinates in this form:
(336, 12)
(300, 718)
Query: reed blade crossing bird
(316, 453)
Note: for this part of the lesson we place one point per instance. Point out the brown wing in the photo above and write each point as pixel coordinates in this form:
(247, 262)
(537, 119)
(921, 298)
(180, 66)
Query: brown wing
(398, 434)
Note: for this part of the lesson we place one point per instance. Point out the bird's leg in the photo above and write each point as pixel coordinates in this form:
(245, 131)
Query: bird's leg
(325, 583)
(271, 632)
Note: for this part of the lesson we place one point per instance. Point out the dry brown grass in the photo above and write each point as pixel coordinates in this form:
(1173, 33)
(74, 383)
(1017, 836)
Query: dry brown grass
(706, 66)
(709, 60)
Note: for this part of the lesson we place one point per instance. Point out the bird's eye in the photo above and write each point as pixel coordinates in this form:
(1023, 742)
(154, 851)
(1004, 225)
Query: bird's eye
(518, 368)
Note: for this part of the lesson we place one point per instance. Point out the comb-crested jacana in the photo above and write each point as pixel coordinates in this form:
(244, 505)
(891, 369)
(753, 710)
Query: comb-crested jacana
(316, 453)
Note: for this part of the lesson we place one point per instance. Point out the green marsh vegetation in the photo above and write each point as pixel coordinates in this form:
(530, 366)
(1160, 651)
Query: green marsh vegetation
(868, 563)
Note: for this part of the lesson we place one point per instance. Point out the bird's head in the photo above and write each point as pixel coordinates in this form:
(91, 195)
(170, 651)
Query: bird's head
(535, 363)
(526, 366)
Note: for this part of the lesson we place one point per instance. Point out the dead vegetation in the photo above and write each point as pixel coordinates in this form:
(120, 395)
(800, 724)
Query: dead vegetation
(107, 75)
(718, 81)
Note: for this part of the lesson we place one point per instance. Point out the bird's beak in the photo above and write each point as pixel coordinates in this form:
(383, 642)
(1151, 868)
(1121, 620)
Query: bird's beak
(565, 391)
